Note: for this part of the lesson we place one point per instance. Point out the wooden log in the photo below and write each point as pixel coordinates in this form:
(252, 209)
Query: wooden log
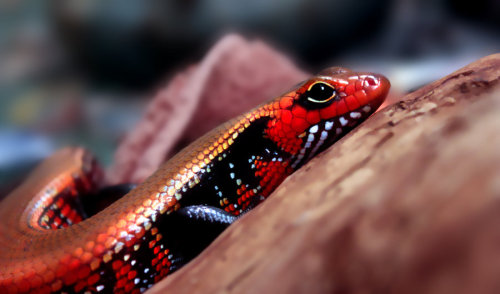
(409, 202)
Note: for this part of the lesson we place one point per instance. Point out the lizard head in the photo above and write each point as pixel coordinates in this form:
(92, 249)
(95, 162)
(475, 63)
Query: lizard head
(320, 110)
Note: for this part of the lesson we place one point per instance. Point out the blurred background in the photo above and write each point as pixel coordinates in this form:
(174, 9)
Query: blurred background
(76, 72)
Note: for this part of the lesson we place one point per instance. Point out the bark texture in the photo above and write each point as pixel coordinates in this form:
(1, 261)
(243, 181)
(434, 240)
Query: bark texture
(409, 202)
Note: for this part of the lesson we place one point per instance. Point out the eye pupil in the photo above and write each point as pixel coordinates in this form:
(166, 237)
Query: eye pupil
(320, 92)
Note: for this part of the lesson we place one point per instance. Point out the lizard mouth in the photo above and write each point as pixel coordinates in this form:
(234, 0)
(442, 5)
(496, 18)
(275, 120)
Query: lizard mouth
(323, 134)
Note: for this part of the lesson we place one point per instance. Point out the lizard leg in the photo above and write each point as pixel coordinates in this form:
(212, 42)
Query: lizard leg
(206, 214)
(194, 227)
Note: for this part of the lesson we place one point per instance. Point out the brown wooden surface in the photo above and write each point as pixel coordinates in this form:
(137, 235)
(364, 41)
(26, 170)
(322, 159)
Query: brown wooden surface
(407, 203)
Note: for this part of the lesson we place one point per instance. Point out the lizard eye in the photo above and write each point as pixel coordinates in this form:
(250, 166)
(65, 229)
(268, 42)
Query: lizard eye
(320, 92)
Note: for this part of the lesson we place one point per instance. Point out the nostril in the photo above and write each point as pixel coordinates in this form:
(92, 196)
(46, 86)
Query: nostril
(371, 81)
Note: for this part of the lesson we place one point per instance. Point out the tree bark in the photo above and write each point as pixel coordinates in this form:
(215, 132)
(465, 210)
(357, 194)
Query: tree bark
(409, 202)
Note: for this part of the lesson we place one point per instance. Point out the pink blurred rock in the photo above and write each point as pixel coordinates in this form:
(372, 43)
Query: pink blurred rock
(234, 76)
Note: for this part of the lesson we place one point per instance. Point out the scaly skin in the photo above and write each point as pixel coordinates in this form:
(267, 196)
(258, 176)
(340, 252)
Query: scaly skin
(48, 244)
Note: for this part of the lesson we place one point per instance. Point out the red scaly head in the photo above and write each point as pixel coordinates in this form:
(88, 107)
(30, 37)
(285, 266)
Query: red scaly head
(322, 109)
